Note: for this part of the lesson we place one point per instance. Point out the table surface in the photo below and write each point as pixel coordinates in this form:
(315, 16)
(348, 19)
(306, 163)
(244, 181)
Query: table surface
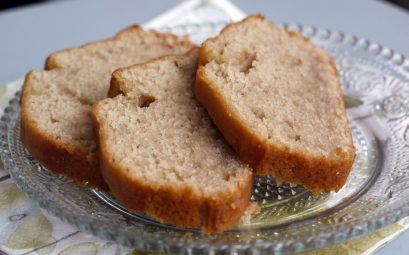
(30, 33)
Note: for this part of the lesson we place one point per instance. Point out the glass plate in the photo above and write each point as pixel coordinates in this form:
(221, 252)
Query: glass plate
(375, 82)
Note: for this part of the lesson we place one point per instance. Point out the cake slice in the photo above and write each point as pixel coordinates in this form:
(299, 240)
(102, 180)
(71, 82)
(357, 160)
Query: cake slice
(277, 100)
(160, 153)
(56, 104)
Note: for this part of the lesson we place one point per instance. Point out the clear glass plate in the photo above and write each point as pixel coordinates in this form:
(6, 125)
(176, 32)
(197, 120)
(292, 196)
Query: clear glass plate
(375, 82)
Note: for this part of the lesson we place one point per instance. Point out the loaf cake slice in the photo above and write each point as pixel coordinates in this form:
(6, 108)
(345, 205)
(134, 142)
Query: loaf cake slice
(160, 153)
(277, 100)
(56, 104)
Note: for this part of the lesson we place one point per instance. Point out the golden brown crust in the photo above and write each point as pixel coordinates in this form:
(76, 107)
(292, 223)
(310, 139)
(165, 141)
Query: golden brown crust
(53, 62)
(77, 165)
(114, 88)
(170, 204)
(295, 167)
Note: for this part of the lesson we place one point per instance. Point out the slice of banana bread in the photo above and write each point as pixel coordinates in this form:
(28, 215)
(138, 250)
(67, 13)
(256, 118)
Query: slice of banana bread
(160, 153)
(277, 100)
(56, 104)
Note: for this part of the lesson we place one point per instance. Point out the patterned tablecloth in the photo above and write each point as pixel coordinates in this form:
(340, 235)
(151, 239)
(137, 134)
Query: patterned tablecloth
(26, 229)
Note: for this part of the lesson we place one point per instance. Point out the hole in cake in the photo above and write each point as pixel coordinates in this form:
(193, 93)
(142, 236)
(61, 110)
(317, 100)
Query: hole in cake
(84, 101)
(289, 123)
(297, 137)
(54, 120)
(339, 152)
(259, 113)
(67, 91)
(146, 100)
(297, 62)
(248, 62)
